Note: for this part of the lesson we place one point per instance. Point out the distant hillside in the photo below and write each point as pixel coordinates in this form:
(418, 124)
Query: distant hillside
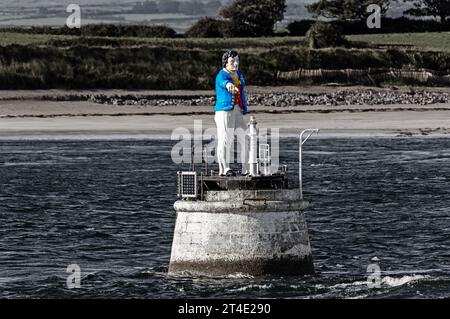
(179, 17)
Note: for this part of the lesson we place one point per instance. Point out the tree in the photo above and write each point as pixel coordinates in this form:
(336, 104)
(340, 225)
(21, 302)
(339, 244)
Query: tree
(253, 17)
(346, 9)
(323, 35)
(434, 8)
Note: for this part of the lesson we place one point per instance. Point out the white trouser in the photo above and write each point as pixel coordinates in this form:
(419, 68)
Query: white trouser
(228, 124)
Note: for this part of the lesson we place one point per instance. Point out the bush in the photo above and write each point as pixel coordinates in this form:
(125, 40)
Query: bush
(207, 28)
(110, 30)
(160, 66)
(388, 25)
(102, 30)
(323, 35)
(299, 28)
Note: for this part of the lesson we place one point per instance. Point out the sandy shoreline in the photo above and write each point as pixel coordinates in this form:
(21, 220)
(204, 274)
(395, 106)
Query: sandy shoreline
(26, 113)
(359, 123)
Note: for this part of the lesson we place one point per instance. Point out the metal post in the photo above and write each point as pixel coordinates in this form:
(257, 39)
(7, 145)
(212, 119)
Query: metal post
(252, 159)
(193, 158)
(301, 142)
(205, 158)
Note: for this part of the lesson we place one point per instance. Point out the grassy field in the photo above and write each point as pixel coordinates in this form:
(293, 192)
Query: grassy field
(7, 38)
(53, 61)
(437, 41)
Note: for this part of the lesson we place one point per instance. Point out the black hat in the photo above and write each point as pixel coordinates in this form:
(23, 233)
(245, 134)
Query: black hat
(227, 55)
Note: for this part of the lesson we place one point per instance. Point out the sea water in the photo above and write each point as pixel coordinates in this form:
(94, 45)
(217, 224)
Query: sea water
(106, 205)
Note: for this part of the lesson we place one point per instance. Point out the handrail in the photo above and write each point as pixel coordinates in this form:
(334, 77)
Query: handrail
(301, 142)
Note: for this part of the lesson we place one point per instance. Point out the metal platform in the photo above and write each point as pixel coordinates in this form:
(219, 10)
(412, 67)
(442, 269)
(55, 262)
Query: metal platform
(209, 183)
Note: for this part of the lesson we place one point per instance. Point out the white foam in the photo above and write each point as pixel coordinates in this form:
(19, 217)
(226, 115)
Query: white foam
(396, 282)
(239, 275)
(349, 284)
(386, 281)
(254, 287)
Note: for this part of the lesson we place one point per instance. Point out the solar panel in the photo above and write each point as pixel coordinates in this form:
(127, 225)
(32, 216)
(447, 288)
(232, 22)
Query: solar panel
(187, 184)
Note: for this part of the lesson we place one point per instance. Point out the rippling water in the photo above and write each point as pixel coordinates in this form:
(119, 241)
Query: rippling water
(107, 206)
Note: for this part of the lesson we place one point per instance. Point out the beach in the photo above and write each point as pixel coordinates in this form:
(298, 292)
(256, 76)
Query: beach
(58, 112)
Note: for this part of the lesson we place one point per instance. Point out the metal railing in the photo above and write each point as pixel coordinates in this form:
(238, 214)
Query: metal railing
(302, 141)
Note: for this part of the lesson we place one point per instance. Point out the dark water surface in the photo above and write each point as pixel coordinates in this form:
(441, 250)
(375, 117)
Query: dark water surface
(107, 206)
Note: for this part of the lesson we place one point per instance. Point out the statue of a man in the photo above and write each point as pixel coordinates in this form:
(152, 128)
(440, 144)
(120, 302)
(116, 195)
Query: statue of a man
(229, 110)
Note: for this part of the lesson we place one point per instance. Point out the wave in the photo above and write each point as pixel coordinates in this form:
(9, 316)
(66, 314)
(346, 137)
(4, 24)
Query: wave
(396, 282)
(254, 287)
(386, 282)
(240, 275)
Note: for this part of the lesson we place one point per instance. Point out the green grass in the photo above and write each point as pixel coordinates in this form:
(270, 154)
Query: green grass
(227, 43)
(59, 61)
(434, 41)
(7, 38)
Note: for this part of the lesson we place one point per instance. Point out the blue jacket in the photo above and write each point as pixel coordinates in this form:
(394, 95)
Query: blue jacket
(223, 97)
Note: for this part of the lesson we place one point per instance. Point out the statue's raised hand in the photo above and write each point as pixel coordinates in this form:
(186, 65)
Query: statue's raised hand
(232, 88)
